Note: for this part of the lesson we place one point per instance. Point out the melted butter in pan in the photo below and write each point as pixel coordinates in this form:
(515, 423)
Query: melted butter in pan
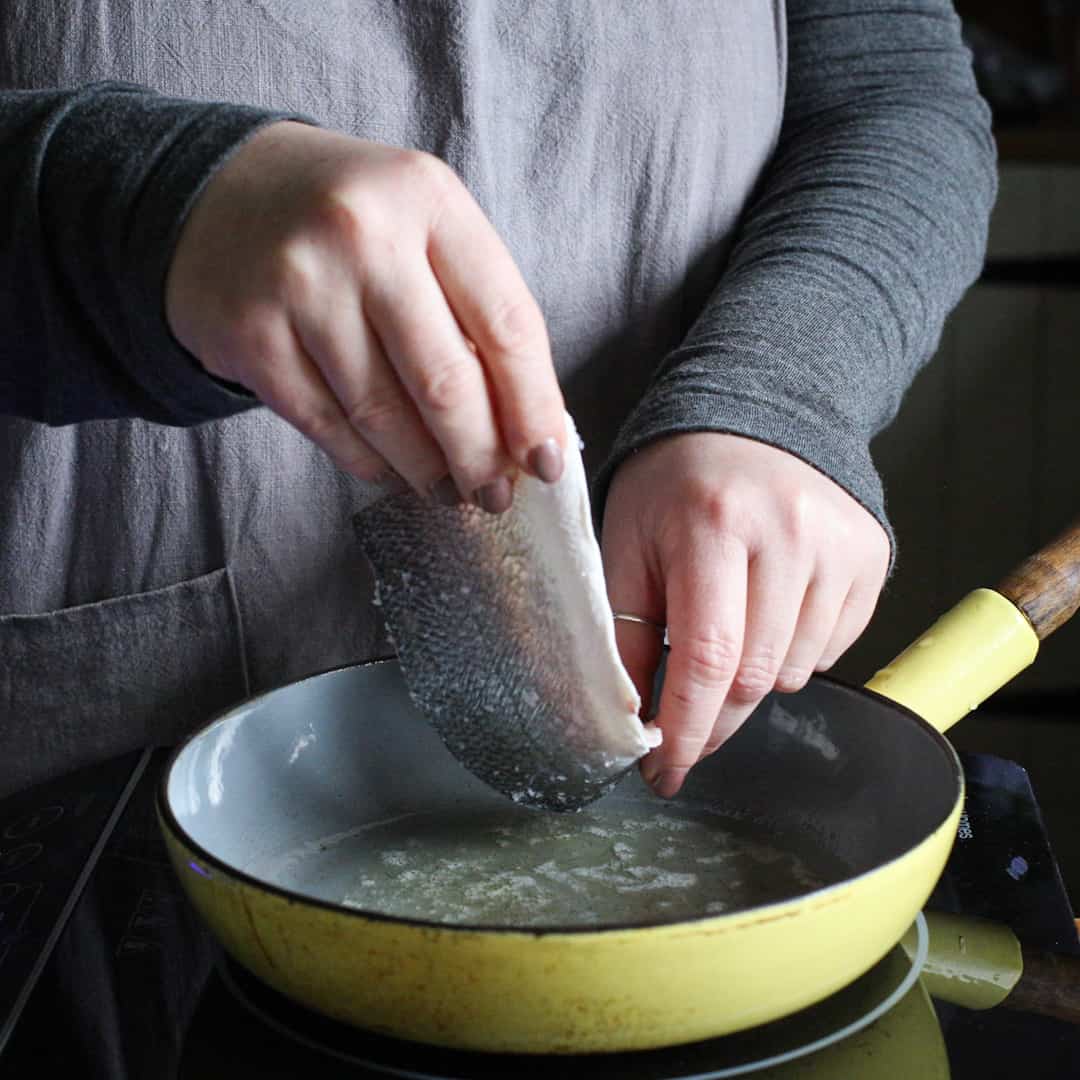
(623, 861)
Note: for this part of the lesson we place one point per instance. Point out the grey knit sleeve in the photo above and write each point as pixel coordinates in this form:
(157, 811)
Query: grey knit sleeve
(869, 225)
(97, 183)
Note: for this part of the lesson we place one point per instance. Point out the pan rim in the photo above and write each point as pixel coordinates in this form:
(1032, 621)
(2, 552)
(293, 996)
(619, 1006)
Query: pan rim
(756, 913)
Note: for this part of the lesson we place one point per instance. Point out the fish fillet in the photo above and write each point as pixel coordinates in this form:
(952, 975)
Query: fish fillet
(505, 636)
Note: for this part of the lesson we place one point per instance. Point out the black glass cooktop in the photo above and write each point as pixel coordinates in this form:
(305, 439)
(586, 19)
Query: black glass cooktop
(105, 970)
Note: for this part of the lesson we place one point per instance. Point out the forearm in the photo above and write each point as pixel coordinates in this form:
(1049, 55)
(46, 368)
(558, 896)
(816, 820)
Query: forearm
(97, 183)
(866, 230)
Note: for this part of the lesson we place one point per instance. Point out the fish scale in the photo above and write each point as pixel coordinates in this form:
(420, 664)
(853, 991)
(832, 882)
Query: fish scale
(505, 636)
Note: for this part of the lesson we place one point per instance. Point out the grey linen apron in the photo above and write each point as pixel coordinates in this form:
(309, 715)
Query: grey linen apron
(151, 575)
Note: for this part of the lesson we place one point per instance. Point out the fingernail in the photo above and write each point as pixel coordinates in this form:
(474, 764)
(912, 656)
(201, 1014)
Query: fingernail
(667, 784)
(546, 461)
(445, 492)
(496, 496)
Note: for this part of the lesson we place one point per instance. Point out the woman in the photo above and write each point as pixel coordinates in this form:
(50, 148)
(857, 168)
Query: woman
(725, 235)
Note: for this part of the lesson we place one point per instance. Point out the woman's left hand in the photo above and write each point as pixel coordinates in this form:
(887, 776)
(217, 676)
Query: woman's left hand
(762, 568)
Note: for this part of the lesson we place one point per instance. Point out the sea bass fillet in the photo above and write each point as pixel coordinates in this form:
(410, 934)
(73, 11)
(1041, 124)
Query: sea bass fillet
(505, 636)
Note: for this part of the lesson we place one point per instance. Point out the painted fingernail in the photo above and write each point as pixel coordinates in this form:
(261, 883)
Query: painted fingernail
(445, 492)
(496, 496)
(667, 784)
(546, 461)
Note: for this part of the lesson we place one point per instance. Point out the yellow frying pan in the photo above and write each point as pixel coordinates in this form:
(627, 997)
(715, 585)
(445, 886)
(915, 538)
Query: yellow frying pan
(254, 806)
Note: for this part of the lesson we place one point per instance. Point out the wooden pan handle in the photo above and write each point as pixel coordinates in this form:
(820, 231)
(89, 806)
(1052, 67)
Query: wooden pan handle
(1049, 985)
(1046, 586)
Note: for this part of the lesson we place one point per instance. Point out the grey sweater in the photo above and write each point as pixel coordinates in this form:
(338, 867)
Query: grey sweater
(860, 237)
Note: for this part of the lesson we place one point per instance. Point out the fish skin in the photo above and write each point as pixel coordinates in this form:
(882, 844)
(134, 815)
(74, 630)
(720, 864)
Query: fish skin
(505, 638)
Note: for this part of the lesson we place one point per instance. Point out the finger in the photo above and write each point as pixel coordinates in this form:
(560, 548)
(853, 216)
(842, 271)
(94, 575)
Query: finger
(821, 609)
(351, 359)
(706, 608)
(289, 382)
(776, 588)
(492, 303)
(445, 380)
(632, 588)
(854, 616)
(640, 648)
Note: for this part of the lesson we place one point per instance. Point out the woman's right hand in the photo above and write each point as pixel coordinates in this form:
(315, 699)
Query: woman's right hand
(360, 292)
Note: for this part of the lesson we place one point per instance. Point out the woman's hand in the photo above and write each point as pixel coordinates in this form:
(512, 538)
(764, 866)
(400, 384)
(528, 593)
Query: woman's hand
(360, 292)
(762, 568)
